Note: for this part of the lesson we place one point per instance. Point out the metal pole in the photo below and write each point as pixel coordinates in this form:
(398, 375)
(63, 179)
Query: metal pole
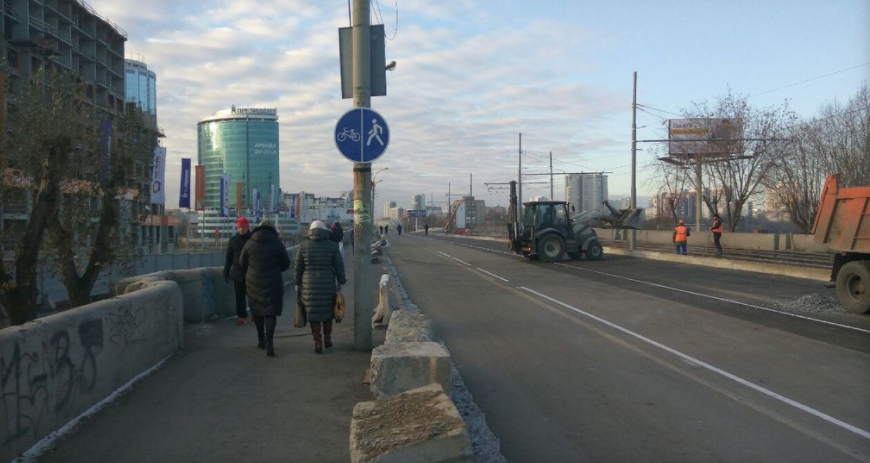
(698, 202)
(551, 176)
(362, 180)
(633, 241)
(520, 181)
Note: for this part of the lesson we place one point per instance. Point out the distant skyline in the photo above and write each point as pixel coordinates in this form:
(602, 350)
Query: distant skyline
(472, 75)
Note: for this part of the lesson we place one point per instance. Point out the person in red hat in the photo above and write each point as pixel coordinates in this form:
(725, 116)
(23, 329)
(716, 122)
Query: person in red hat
(233, 270)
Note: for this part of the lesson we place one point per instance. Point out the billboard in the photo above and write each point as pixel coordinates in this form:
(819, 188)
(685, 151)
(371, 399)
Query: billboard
(705, 137)
(416, 213)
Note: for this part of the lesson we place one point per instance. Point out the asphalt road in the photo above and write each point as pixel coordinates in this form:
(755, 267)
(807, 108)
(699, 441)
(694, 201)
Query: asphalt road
(631, 360)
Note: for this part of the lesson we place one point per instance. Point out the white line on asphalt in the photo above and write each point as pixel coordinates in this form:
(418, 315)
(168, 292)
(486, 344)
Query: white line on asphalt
(768, 392)
(462, 261)
(492, 274)
(722, 299)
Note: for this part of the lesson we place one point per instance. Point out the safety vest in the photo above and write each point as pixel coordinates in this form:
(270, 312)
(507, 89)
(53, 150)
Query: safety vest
(717, 226)
(680, 235)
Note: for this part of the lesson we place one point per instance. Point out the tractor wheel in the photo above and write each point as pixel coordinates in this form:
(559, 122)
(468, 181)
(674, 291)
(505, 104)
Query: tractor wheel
(594, 252)
(853, 286)
(551, 247)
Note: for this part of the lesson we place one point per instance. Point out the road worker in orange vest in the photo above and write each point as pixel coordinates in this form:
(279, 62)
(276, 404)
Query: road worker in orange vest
(681, 237)
(716, 227)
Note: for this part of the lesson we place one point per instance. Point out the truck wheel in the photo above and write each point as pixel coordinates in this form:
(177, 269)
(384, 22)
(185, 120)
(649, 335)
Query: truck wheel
(853, 286)
(595, 252)
(551, 247)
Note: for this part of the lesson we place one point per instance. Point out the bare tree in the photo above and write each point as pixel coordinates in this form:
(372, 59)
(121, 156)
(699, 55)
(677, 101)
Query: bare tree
(670, 181)
(840, 137)
(98, 223)
(56, 155)
(765, 133)
(837, 141)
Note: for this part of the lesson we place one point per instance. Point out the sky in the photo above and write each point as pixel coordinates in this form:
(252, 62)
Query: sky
(473, 75)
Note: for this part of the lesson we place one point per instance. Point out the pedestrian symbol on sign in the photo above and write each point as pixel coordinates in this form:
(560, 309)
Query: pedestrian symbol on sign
(375, 132)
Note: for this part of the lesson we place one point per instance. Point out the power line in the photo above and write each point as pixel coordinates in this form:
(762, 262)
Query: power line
(810, 80)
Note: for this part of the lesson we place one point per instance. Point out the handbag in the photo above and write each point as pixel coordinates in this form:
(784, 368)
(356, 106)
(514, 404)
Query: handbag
(338, 308)
(301, 317)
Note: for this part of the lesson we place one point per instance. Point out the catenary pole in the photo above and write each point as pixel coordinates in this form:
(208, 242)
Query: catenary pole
(362, 179)
(520, 181)
(633, 242)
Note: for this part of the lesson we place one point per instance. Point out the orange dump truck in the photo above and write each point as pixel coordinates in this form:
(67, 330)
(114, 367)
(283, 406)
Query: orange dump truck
(843, 225)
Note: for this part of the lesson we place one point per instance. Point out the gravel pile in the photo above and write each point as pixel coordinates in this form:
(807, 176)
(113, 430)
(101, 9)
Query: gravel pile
(813, 303)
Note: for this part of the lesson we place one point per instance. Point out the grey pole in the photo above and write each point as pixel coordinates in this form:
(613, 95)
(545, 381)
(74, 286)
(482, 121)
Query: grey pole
(551, 176)
(633, 242)
(362, 180)
(520, 181)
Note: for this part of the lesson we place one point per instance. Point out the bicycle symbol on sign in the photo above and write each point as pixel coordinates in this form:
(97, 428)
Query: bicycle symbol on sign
(348, 133)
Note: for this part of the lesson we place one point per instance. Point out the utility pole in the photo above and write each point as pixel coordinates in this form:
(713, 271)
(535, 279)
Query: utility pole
(520, 181)
(551, 176)
(362, 180)
(633, 242)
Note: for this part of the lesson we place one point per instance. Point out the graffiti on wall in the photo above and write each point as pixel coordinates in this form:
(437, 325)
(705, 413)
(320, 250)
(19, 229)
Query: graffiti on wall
(34, 387)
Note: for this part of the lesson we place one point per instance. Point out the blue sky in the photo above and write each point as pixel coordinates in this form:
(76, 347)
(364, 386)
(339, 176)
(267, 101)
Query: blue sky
(473, 74)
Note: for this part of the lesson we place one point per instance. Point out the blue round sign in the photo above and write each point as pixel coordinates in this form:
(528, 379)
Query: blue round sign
(362, 135)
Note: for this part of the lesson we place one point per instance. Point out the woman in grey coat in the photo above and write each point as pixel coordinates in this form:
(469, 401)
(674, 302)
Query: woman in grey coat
(317, 268)
(263, 259)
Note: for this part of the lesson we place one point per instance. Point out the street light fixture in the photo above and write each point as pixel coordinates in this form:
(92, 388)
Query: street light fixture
(375, 182)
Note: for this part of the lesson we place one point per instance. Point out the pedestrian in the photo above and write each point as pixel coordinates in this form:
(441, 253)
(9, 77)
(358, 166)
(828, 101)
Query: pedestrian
(233, 271)
(336, 235)
(386, 229)
(263, 259)
(317, 268)
(716, 227)
(681, 237)
(426, 228)
(399, 229)
(381, 229)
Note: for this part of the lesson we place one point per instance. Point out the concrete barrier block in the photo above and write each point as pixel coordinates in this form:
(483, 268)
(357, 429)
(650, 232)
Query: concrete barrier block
(418, 426)
(402, 366)
(409, 327)
(56, 367)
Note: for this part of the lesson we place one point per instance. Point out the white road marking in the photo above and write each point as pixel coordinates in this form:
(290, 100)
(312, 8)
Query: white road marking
(492, 274)
(722, 299)
(689, 358)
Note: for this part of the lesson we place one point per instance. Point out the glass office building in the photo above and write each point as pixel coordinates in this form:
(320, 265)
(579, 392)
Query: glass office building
(241, 142)
(141, 86)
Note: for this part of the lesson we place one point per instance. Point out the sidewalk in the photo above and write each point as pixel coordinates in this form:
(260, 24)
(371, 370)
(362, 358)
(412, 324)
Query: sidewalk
(222, 399)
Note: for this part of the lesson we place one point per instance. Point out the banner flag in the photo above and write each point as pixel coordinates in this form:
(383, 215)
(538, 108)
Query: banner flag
(158, 175)
(225, 195)
(184, 194)
(200, 189)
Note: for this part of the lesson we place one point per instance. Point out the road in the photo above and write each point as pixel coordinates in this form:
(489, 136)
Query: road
(632, 360)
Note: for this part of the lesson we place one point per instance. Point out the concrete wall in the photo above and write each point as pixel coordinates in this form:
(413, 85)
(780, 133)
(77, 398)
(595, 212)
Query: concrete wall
(761, 241)
(206, 295)
(55, 368)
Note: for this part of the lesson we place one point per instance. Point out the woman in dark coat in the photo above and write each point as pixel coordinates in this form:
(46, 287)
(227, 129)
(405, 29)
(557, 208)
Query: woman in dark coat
(318, 266)
(263, 259)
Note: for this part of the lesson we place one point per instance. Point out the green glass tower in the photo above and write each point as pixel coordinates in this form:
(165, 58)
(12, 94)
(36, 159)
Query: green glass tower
(241, 142)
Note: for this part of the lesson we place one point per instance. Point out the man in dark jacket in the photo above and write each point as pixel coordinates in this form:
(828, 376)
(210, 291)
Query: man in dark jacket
(336, 235)
(233, 271)
(263, 259)
(317, 267)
